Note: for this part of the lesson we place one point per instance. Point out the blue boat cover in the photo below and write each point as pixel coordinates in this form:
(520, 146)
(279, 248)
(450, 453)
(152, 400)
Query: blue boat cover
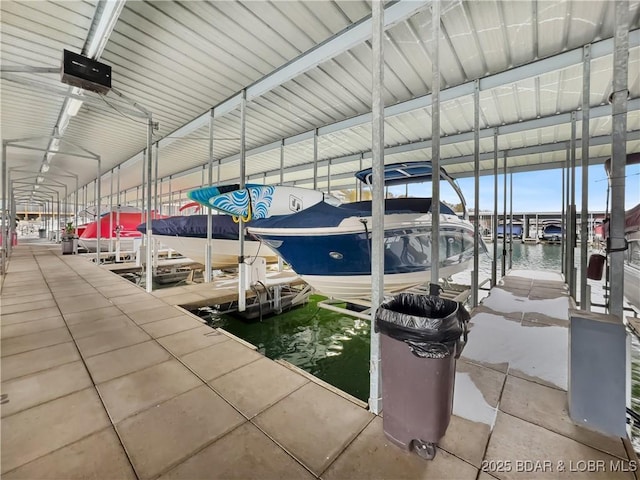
(223, 226)
(324, 215)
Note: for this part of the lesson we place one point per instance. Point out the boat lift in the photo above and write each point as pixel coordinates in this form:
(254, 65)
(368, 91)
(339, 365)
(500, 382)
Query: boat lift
(361, 307)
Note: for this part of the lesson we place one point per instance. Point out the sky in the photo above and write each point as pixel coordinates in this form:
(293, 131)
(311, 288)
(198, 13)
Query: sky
(540, 191)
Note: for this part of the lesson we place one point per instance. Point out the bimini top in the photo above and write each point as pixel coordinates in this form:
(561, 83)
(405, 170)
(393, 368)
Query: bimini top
(402, 173)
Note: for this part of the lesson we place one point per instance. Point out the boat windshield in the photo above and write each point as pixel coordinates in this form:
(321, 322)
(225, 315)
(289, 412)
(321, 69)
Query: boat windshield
(398, 177)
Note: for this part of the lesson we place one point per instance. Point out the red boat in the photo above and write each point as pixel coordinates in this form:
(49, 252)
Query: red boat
(114, 226)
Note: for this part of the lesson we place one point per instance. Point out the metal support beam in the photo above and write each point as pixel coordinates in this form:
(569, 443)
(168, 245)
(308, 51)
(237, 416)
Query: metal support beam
(434, 288)
(377, 217)
(315, 159)
(504, 217)
(149, 250)
(494, 230)
(118, 218)
(97, 201)
(571, 234)
(510, 220)
(155, 176)
(207, 253)
(476, 194)
(281, 163)
(111, 210)
(242, 299)
(584, 231)
(563, 220)
(5, 211)
(618, 158)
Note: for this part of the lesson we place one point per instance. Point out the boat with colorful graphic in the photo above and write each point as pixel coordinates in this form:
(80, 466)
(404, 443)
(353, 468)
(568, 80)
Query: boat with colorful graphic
(329, 245)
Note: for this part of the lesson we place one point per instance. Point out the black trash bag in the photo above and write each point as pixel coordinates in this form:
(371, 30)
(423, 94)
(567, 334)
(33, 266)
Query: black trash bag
(432, 326)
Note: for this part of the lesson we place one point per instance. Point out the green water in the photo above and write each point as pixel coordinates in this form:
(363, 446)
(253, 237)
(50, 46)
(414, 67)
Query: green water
(333, 347)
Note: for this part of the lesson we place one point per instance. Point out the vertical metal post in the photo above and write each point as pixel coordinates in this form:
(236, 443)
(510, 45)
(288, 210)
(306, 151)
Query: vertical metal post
(494, 230)
(243, 172)
(584, 231)
(315, 159)
(207, 252)
(13, 219)
(281, 163)
(510, 220)
(563, 241)
(618, 158)
(504, 216)
(98, 226)
(111, 239)
(4, 212)
(571, 240)
(329, 176)
(149, 249)
(75, 202)
(476, 192)
(155, 179)
(57, 230)
(144, 183)
(118, 217)
(377, 210)
(358, 183)
(435, 147)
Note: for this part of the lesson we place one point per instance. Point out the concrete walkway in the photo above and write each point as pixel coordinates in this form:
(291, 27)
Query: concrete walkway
(106, 381)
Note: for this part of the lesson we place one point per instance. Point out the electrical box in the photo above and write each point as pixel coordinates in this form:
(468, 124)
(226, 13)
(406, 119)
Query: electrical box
(255, 272)
(83, 72)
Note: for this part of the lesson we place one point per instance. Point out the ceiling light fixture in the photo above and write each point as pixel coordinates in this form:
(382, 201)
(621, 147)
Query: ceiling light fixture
(74, 104)
(35, 187)
(54, 145)
(73, 107)
(39, 179)
(44, 168)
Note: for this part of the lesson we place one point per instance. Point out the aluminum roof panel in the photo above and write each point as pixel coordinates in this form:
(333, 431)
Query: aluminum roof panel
(180, 58)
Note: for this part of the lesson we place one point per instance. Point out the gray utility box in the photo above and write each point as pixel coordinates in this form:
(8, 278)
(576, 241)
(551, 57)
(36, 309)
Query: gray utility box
(598, 372)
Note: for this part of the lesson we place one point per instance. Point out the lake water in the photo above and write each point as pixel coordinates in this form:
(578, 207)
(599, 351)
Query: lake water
(335, 347)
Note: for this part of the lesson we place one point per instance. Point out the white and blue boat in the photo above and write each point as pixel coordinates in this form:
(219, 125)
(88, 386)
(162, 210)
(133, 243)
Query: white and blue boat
(514, 229)
(188, 236)
(552, 231)
(329, 245)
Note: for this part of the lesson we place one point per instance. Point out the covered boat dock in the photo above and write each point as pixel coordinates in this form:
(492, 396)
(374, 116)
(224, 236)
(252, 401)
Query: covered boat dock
(300, 94)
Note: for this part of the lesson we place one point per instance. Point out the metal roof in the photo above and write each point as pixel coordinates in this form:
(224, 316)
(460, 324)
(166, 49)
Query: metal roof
(307, 66)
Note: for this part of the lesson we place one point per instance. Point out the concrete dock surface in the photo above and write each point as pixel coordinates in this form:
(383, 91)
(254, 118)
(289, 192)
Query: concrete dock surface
(103, 380)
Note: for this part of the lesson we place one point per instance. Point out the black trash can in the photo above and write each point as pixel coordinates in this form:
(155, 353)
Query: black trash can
(42, 233)
(422, 335)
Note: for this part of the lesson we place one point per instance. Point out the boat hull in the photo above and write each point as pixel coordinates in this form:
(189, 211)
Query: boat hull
(336, 261)
(359, 286)
(107, 244)
(224, 252)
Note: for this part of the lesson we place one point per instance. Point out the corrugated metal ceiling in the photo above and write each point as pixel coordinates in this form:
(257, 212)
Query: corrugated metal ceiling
(178, 59)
